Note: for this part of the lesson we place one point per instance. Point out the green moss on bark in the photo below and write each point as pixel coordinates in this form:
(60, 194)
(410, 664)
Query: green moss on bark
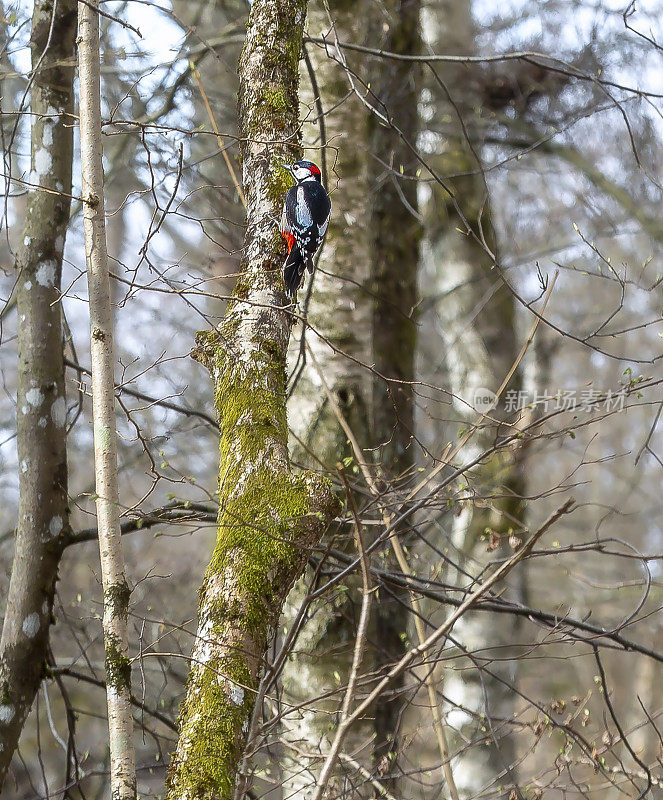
(250, 403)
(116, 598)
(279, 184)
(256, 541)
(118, 666)
(212, 752)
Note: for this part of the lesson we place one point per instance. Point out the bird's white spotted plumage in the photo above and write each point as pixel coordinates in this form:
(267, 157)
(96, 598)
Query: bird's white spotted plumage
(303, 212)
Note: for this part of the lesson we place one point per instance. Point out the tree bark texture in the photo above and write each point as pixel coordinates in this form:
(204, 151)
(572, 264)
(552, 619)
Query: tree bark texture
(116, 589)
(363, 298)
(268, 517)
(43, 516)
(339, 335)
(339, 310)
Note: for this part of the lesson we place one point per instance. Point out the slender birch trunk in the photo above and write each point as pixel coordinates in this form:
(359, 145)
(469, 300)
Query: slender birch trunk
(268, 517)
(116, 589)
(43, 516)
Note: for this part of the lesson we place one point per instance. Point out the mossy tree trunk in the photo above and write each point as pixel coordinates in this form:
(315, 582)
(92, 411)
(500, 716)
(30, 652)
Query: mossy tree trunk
(395, 230)
(268, 517)
(43, 516)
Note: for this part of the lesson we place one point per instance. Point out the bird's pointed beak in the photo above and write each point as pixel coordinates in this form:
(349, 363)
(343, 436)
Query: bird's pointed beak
(288, 167)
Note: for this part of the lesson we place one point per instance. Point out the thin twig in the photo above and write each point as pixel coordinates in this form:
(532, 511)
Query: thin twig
(222, 147)
(81, 676)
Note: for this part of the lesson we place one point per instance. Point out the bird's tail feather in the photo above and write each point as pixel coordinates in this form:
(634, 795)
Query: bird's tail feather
(293, 271)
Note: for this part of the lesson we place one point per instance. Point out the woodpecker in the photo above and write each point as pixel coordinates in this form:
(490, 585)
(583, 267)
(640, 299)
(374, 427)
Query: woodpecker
(304, 221)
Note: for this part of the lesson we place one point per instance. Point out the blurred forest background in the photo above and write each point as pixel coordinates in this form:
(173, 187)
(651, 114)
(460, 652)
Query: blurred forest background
(491, 167)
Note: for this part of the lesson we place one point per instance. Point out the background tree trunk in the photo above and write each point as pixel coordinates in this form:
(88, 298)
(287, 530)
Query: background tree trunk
(362, 303)
(268, 518)
(481, 346)
(338, 309)
(395, 231)
(43, 516)
(338, 333)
